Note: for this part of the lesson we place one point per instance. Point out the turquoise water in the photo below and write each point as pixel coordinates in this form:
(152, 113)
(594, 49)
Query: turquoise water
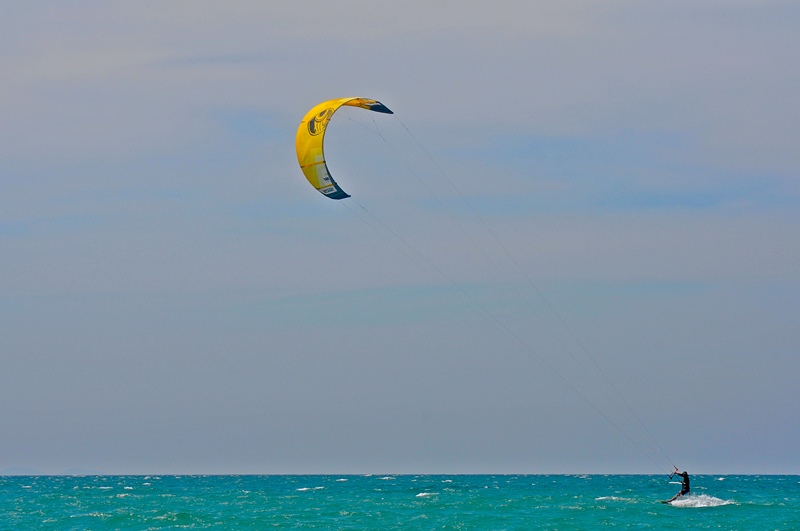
(396, 502)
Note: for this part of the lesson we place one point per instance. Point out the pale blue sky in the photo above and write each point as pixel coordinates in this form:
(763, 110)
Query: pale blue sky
(175, 297)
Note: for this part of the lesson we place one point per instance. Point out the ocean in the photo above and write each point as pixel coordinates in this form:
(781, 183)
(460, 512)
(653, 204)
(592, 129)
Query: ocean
(397, 502)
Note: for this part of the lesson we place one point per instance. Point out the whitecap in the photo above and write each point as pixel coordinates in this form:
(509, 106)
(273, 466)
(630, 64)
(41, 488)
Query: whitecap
(342, 479)
(387, 478)
(702, 500)
(427, 494)
(614, 498)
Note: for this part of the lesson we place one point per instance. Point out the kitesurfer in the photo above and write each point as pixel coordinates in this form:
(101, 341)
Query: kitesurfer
(684, 486)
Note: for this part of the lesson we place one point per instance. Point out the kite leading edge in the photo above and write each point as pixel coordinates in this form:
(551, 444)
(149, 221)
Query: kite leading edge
(309, 142)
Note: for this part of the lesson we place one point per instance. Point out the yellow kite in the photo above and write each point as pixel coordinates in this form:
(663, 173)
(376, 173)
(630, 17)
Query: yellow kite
(310, 136)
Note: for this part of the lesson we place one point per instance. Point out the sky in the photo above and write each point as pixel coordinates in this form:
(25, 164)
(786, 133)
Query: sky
(572, 249)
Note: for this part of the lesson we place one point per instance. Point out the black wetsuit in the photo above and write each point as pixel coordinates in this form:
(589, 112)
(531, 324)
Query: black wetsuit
(685, 486)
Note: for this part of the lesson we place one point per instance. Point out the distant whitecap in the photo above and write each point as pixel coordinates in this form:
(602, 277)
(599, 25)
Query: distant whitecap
(614, 498)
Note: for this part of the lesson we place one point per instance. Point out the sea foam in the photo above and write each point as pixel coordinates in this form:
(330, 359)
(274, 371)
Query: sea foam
(702, 500)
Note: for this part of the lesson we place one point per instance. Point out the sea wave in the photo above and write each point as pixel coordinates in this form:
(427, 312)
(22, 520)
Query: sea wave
(615, 498)
(701, 500)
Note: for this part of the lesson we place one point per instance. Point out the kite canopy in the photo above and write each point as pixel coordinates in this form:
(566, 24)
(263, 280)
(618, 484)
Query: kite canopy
(310, 136)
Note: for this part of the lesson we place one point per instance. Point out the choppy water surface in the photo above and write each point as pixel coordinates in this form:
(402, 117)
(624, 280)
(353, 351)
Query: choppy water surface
(396, 502)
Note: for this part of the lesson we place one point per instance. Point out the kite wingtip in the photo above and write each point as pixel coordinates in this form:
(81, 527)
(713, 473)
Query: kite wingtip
(380, 107)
